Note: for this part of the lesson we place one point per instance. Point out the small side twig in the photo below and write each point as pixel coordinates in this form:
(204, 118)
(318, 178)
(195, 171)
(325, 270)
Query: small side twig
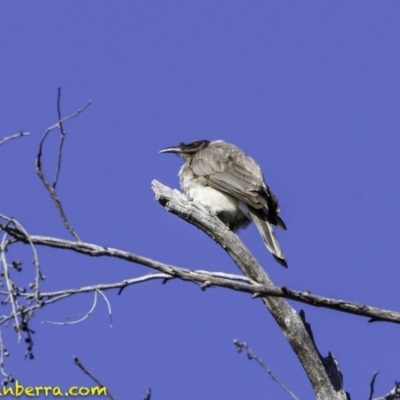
(372, 385)
(148, 394)
(16, 136)
(108, 305)
(87, 372)
(251, 356)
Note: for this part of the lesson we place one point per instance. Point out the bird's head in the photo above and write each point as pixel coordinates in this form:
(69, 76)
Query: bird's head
(187, 150)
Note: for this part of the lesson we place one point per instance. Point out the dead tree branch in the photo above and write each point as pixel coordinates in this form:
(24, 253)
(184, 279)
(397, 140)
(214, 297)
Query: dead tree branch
(290, 322)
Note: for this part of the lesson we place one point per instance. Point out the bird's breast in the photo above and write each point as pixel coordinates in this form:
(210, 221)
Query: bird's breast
(211, 199)
(231, 211)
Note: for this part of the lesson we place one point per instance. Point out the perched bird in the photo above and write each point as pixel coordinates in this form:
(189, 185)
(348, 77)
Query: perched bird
(228, 183)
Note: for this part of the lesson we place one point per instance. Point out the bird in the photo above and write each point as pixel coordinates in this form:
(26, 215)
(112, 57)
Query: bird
(229, 184)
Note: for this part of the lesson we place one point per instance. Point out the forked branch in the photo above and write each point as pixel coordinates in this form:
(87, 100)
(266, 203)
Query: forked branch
(51, 188)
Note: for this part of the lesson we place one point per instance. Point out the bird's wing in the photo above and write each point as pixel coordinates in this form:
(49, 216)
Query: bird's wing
(230, 170)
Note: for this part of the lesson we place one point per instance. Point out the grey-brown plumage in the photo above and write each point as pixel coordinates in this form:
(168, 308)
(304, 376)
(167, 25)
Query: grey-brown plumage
(223, 179)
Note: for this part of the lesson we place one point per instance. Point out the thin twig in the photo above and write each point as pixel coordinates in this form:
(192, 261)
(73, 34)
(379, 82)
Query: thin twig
(251, 356)
(108, 305)
(17, 135)
(62, 137)
(51, 188)
(77, 321)
(87, 372)
(53, 297)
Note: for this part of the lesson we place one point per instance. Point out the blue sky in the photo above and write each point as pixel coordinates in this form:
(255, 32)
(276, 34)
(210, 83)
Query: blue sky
(308, 89)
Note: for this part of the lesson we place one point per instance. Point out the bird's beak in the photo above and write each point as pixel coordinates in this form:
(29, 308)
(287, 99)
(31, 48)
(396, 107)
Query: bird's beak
(174, 149)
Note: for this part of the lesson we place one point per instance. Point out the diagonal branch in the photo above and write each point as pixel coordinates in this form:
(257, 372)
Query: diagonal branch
(79, 364)
(251, 356)
(323, 382)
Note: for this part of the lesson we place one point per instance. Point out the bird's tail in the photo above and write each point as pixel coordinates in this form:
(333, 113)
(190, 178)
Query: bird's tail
(269, 238)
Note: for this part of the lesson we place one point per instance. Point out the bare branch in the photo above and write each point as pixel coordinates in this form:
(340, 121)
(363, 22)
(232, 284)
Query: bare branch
(17, 135)
(251, 356)
(51, 187)
(207, 279)
(87, 372)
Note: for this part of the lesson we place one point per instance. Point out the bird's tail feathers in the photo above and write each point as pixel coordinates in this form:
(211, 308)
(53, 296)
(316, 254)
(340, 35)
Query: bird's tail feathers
(269, 238)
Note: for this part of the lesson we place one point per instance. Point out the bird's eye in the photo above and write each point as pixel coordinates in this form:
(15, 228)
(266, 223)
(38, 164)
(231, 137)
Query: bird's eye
(195, 144)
